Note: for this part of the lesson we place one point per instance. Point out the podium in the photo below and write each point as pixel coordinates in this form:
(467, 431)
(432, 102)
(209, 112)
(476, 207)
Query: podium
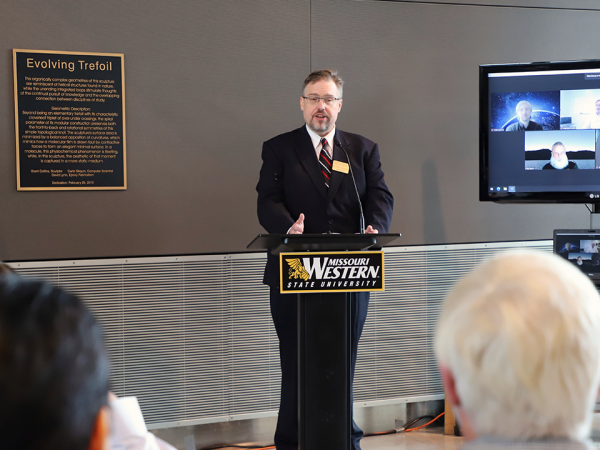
(324, 271)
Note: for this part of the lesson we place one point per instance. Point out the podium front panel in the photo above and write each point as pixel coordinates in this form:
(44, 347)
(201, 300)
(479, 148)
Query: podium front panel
(327, 272)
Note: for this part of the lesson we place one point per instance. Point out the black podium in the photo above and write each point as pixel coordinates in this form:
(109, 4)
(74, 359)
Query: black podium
(324, 306)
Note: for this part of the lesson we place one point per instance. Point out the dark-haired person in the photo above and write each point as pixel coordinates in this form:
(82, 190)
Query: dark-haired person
(53, 370)
(305, 187)
(524, 122)
(559, 159)
(54, 376)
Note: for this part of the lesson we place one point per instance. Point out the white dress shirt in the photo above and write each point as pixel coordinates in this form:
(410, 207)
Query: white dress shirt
(128, 430)
(316, 140)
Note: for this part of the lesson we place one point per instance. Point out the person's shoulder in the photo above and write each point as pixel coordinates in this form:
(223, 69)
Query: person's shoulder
(548, 166)
(353, 138)
(573, 165)
(536, 126)
(287, 137)
(512, 127)
(492, 443)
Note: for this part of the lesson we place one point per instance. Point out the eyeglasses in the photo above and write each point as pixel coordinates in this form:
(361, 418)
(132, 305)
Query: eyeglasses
(313, 100)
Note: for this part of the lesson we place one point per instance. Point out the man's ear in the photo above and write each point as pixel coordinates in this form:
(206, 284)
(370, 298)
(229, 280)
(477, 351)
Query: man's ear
(450, 386)
(466, 427)
(100, 433)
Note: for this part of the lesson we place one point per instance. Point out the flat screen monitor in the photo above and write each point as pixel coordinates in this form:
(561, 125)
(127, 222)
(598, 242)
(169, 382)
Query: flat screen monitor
(582, 249)
(539, 132)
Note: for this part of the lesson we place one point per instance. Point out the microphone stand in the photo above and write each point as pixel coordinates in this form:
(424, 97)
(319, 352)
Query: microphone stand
(362, 216)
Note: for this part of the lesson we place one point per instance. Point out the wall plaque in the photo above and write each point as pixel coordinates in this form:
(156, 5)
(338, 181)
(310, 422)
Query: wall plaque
(69, 120)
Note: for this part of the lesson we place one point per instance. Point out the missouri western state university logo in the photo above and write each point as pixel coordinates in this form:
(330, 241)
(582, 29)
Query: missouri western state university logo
(331, 272)
(297, 270)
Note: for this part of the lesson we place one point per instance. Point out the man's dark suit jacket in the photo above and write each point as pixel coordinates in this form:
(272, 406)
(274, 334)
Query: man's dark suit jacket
(291, 183)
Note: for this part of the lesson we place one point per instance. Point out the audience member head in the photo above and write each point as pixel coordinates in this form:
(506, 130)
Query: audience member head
(53, 369)
(518, 344)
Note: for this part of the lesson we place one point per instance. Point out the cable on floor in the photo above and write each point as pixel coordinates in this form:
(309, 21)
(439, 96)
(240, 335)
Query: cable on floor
(414, 421)
(406, 430)
(248, 447)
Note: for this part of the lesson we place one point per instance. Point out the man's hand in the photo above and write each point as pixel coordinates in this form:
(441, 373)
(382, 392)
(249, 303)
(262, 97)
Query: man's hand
(371, 230)
(298, 227)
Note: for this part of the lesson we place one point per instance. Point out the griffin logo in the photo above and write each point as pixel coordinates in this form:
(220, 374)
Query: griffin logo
(297, 270)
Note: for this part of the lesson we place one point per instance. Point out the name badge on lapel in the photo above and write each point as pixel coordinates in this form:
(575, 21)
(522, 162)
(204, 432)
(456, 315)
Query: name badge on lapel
(339, 166)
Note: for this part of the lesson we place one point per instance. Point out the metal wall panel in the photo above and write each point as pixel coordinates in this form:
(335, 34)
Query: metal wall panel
(206, 83)
(192, 336)
(254, 362)
(538, 4)
(206, 338)
(411, 72)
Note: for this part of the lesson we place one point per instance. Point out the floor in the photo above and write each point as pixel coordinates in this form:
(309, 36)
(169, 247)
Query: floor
(429, 439)
(433, 438)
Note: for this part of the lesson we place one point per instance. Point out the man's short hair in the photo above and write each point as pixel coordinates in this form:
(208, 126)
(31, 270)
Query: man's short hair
(559, 143)
(521, 335)
(327, 75)
(520, 103)
(53, 367)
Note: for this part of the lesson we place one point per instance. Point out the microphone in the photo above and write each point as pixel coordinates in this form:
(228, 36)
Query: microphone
(362, 216)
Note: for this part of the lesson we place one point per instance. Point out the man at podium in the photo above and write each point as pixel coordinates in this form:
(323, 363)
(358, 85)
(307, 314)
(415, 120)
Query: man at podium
(310, 182)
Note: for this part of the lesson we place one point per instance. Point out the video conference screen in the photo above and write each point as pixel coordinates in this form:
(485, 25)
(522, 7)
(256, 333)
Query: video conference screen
(540, 130)
(581, 248)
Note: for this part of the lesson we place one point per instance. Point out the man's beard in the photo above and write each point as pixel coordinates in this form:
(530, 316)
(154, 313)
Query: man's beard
(579, 263)
(559, 164)
(320, 128)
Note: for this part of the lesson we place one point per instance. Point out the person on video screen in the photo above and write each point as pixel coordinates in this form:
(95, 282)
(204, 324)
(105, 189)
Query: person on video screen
(594, 121)
(559, 159)
(524, 123)
(569, 248)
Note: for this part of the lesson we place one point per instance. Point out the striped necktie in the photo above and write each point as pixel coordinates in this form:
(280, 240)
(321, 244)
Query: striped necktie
(325, 161)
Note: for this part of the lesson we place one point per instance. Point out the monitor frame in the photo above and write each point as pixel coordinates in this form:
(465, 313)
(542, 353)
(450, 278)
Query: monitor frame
(549, 196)
(559, 239)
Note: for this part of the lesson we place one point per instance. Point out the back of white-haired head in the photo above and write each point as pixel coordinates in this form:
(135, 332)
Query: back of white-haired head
(521, 335)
